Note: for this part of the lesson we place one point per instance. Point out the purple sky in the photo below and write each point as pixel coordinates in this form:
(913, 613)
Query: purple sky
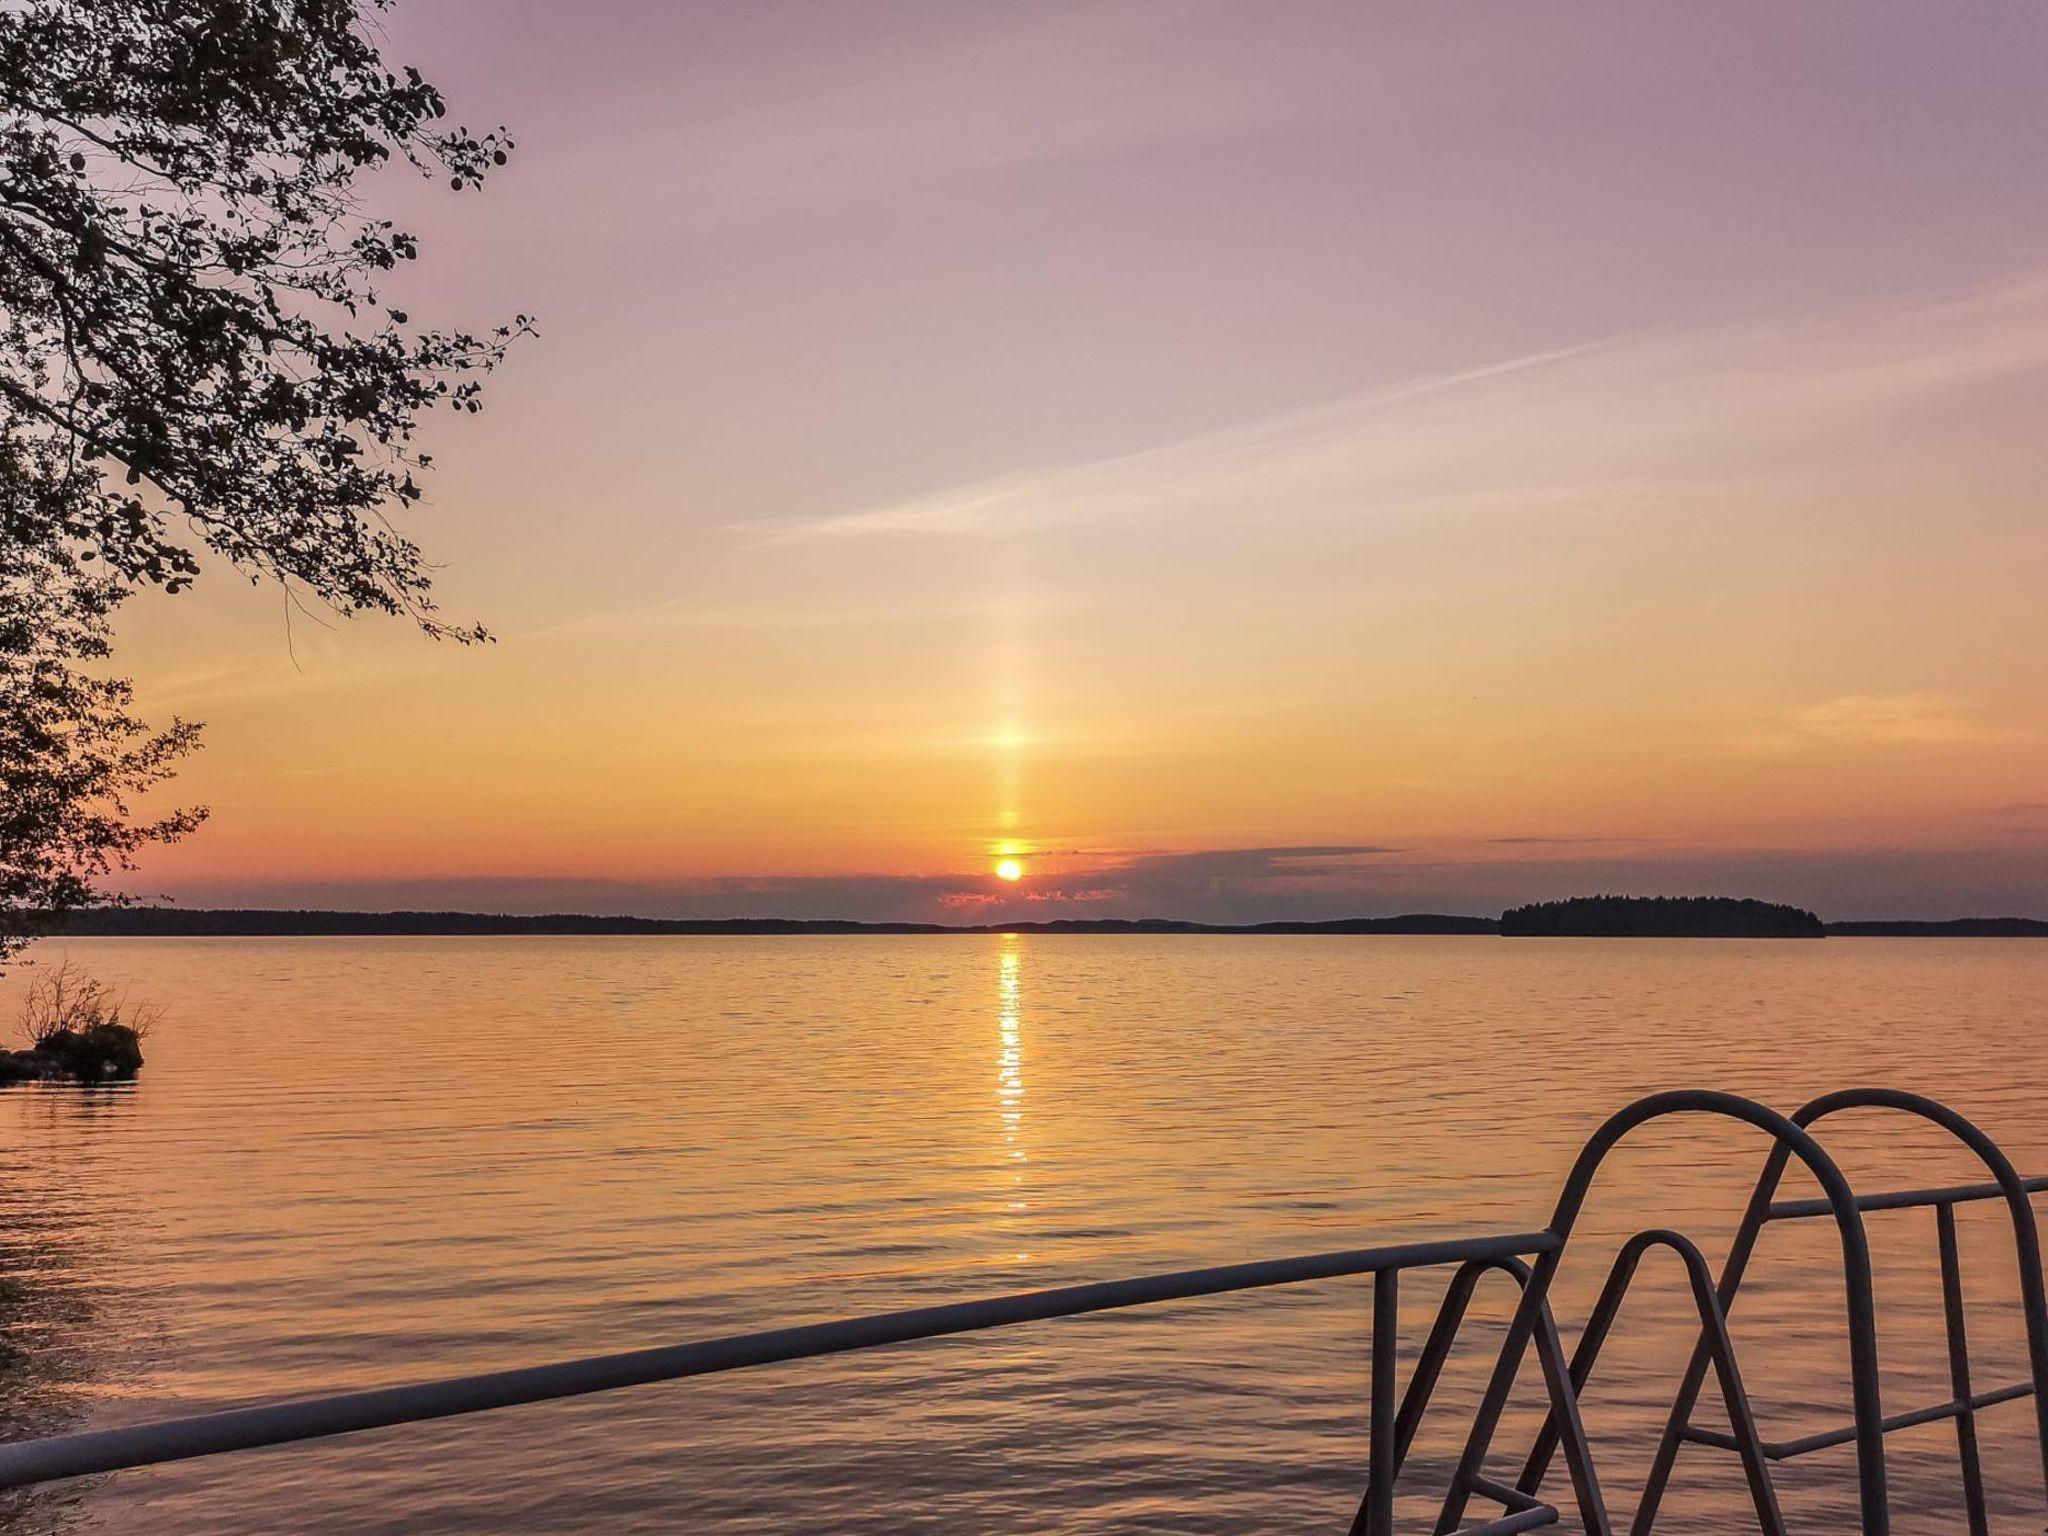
(1588, 447)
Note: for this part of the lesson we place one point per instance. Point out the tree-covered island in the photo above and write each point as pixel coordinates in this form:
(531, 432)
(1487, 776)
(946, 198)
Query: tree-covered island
(1660, 917)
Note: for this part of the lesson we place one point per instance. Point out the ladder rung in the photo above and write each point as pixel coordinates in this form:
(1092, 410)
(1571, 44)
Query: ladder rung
(1525, 1512)
(1508, 1525)
(1901, 1199)
(1782, 1450)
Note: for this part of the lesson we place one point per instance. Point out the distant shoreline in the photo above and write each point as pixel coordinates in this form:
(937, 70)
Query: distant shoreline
(254, 922)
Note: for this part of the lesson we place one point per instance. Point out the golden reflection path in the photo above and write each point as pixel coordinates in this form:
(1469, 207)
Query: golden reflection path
(1010, 1069)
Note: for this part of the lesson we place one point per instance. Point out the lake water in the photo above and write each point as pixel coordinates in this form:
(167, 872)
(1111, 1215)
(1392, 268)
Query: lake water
(357, 1161)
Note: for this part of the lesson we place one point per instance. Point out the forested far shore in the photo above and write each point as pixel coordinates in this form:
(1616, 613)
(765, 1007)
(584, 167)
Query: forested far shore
(264, 922)
(254, 922)
(1946, 928)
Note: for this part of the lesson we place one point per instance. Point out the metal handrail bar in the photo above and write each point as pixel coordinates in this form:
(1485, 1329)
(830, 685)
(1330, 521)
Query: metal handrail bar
(109, 1450)
(1869, 1418)
(1904, 1199)
(1395, 1415)
(2026, 1251)
(1788, 1140)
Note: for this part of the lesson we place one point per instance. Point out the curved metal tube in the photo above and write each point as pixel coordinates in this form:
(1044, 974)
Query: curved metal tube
(2025, 1229)
(1429, 1365)
(1436, 1349)
(1714, 1326)
(1790, 1140)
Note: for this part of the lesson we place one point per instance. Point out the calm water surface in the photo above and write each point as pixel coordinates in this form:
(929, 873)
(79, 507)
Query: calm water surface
(353, 1162)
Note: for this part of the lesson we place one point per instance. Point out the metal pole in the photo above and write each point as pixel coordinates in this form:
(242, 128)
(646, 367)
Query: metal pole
(1959, 1369)
(1384, 1462)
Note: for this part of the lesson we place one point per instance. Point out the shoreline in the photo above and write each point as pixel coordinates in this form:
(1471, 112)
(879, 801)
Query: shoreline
(254, 922)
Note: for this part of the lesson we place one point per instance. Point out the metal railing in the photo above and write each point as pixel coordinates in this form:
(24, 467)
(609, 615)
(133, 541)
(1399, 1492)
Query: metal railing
(1530, 1259)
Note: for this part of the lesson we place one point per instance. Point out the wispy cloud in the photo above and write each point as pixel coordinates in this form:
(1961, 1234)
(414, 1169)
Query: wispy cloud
(1858, 719)
(1625, 422)
(1013, 87)
(1219, 462)
(1889, 717)
(281, 676)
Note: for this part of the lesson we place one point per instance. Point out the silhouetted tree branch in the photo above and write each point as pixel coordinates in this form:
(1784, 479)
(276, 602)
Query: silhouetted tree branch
(193, 356)
(72, 756)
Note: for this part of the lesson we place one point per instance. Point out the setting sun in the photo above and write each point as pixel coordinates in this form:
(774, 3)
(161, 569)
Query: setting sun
(1009, 869)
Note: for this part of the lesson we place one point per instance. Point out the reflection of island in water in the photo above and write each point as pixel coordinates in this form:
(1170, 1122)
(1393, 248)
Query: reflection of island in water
(1660, 917)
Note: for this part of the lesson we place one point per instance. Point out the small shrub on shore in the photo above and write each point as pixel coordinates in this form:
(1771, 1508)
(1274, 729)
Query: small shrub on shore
(78, 1028)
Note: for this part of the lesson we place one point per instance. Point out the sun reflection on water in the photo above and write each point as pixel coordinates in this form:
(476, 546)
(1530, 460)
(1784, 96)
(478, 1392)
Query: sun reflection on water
(1010, 1064)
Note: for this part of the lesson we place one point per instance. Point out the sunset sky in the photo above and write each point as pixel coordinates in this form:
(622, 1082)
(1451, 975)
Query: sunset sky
(1240, 461)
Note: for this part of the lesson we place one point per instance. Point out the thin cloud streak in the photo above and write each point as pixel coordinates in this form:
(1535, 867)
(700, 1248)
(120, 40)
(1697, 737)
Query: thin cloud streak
(1862, 719)
(1606, 423)
(1248, 446)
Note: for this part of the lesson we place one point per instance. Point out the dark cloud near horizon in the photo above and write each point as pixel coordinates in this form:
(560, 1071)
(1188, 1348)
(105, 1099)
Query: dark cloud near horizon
(1232, 885)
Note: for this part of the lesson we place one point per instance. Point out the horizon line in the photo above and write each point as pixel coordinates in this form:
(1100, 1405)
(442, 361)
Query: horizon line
(165, 921)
